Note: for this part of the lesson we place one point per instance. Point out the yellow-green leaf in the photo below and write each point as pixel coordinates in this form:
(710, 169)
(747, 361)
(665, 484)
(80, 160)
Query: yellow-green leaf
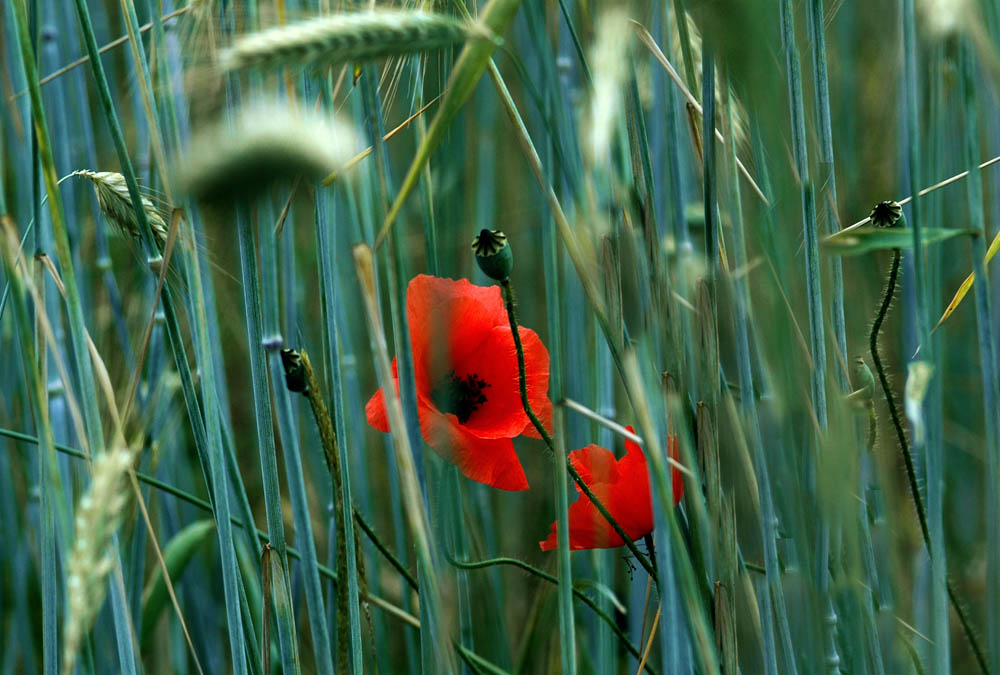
(967, 284)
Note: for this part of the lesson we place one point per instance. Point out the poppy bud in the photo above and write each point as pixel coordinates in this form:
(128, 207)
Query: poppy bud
(493, 254)
(887, 214)
(863, 381)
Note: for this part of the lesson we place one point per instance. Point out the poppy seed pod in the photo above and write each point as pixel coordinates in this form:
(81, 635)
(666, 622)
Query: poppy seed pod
(887, 214)
(493, 254)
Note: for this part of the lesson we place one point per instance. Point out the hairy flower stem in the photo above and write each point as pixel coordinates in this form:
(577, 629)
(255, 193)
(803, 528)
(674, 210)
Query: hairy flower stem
(328, 437)
(904, 446)
(509, 303)
(911, 474)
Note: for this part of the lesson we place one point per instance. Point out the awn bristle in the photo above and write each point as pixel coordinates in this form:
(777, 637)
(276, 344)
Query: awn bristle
(98, 515)
(349, 37)
(676, 56)
(116, 205)
(264, 144)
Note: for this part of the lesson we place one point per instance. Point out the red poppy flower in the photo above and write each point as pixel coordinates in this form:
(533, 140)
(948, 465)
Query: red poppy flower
(465, 366)
(621, 485)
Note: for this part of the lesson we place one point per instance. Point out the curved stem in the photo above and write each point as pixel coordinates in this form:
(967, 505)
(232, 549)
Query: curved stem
(904, 446)
(508, 293)
(207, 507)
(582, 597)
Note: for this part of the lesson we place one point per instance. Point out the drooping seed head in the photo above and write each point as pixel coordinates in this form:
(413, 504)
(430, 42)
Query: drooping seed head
(115, 203)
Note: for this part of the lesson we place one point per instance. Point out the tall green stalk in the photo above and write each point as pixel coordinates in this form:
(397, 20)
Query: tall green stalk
(567, 623)
(741, 320)
(988, 342)
(206, 430)
(934, 475)
(349, 626)
(814, 297)
(265, 426)
(38, 400)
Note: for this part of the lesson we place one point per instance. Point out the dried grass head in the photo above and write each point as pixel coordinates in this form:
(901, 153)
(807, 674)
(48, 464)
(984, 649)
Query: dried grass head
(115, 203)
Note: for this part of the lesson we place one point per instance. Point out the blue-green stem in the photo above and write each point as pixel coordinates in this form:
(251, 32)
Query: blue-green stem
(814, 297)
(46, 462)
(567, 622)
(217, 467)
(454, 511)
(741, 316)
(987, 356)
(264, 421)
(940, 648)
(430, 652)
(578, 594)
(338, 461)
(204, 429)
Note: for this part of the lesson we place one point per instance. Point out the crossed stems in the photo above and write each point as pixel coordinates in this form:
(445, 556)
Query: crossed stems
(508, 293)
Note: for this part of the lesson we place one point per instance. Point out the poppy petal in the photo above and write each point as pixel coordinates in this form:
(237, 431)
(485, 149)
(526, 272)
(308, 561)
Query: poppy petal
(490, 461)
(634, 502)
(448, 319)
(375, 412)
(495, 362)
(536, 369)
(375, 409)
(587, 527)
(622, 487)
(595, 465)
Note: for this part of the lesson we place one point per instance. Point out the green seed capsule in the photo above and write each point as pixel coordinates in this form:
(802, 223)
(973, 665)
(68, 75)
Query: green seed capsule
(886, 214)
(493, 254)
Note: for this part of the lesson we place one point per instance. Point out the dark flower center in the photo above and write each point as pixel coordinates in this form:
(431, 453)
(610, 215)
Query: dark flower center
(460, 396)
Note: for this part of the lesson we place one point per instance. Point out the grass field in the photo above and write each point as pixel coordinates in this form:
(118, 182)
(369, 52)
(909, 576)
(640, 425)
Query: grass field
(499, 336)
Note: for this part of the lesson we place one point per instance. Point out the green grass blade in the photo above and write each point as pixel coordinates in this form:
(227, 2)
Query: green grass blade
(265, 422)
